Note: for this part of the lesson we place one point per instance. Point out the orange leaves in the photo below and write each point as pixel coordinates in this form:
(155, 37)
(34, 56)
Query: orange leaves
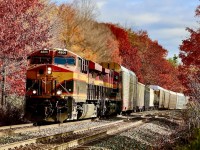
(146, 58)
(77, 31)
(155, 69)
(127, 53)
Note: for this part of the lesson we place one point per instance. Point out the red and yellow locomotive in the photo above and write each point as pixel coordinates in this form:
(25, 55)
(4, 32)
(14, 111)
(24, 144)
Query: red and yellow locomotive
(63, 86)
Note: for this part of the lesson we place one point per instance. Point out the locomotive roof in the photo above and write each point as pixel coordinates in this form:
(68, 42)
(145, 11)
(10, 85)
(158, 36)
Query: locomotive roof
(141, 83)
(180, 94)
(156, 87)
(54, 50)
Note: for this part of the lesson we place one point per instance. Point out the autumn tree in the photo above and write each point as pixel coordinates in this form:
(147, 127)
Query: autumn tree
(67, 31)
(190, 71)
(128, 53)
(150, 54)
(190, 56)
(77, 30)
(23, 29)
(155, 69)
(100, 42)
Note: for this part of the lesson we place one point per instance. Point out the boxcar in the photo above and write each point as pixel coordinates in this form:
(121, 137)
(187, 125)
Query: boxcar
(148, 98)
(166, 99)
(173, 100)
(126, 89)
(133, 90)
(159, 96)
(181, 101)
(140, 95)
(129, 81)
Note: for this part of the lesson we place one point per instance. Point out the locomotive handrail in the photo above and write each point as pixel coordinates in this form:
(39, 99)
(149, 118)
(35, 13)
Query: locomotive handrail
(64, 88)
(30, 87)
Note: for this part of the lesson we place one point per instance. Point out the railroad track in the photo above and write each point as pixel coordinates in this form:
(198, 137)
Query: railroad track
(72, 138)
(170, 114)
(7, 129)
(15, 126)
(76, 137)
(16, 129)
(25, 136)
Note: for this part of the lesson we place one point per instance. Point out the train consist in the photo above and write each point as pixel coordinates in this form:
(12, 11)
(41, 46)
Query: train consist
(61, 86)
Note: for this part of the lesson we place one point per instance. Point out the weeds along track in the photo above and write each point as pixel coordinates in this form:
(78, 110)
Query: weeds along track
(73, 138)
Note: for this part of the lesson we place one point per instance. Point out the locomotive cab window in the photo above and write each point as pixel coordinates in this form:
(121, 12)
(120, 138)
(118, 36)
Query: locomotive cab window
(40, 60)
(65, 61)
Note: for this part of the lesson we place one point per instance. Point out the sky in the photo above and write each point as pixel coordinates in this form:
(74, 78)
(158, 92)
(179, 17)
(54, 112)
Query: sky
(164, 20)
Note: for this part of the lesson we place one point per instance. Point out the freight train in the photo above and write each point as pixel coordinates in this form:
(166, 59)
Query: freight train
(61, 86)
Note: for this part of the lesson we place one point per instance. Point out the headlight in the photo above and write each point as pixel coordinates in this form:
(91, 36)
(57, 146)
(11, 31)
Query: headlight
(34, 91)
(59, 92)
(49, 70)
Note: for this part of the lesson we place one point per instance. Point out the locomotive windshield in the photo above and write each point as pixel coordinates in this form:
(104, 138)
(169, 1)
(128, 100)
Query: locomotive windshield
(65, 61)
(41, 60)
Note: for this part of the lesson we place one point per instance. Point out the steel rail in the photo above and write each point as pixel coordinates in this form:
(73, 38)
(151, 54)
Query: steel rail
(10, 131)
(47, 138)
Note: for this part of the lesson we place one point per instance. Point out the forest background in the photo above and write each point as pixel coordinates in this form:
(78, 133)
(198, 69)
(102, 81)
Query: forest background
(31, 25)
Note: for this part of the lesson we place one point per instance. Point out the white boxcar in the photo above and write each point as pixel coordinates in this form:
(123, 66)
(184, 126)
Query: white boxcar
(140, 95)
(166, 99)
(173, 100)
(133, 90)
(181, 101)
(129, 89)
(151, 103)
(125, 89)
(159, 96)
(148, 98)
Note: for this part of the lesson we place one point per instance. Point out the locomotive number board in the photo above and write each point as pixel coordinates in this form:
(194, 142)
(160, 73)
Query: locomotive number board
(61, 52)
(44, 52)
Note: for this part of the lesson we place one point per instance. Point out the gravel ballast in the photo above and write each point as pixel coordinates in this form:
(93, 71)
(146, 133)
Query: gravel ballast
(50, 131)
(152, 135)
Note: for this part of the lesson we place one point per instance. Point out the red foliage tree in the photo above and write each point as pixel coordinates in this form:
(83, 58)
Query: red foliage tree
(190, 55)
(155, 69)
(22, 30)
(128, 53)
